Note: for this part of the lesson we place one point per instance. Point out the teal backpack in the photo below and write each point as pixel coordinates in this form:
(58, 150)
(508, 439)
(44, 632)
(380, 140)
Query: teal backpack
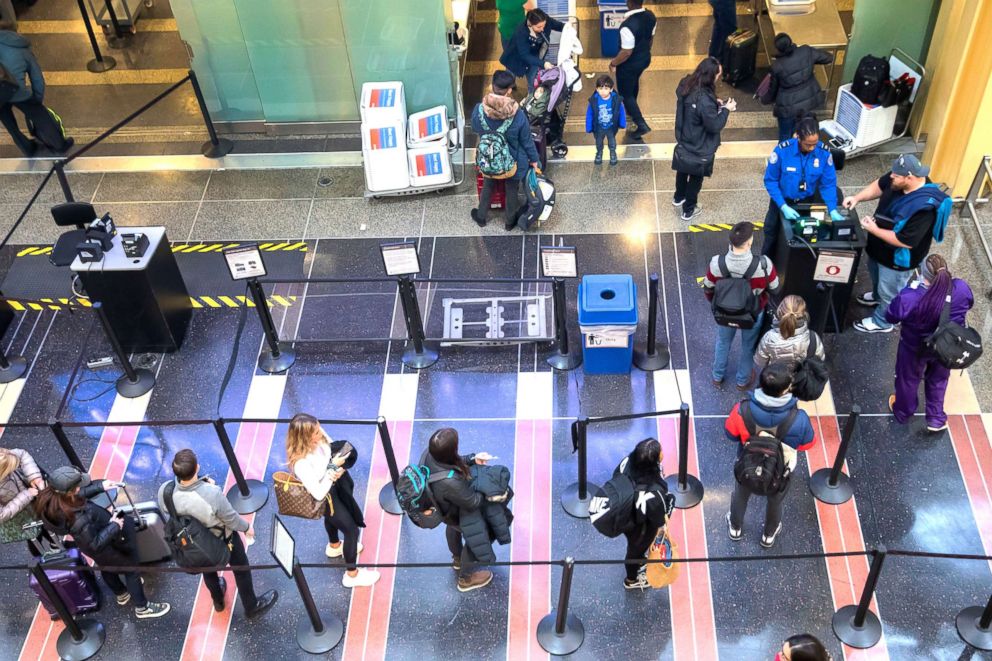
(492, 156)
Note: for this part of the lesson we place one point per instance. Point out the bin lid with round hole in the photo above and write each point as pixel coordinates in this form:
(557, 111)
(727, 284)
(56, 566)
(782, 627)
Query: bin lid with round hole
(607, 299)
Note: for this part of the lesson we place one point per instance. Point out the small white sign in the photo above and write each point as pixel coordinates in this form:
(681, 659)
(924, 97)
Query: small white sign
(612, 20)
(558, 262)
(834, 266)
(245, 262)
(594, 341)
(283, 545)
(400, 258)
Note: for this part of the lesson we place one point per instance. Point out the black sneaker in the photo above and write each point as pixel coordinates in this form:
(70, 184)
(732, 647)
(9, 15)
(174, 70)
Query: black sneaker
(639, 583)
(481, 222)
(265, 602)
(219, 605)
(152, 609)
(599, 159)
(696, 213)
(867, 299)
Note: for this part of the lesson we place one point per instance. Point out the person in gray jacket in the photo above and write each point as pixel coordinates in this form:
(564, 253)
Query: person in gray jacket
(199, 498)
(19, 62)
(788, 340)
(20, 482)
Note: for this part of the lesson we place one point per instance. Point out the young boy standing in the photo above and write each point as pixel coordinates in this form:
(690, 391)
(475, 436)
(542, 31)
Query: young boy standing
(605, 117)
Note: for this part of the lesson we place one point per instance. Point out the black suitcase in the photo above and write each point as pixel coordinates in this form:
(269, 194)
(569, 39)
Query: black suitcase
(740, 56)
(540, 135)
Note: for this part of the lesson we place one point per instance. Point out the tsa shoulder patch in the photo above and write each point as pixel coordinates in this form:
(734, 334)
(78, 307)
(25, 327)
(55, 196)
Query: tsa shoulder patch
(773, 159)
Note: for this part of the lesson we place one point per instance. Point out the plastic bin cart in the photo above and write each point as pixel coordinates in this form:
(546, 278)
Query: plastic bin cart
(607, 319)
(610, 17)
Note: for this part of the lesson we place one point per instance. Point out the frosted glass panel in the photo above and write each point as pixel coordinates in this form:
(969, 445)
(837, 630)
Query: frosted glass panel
(298, 54)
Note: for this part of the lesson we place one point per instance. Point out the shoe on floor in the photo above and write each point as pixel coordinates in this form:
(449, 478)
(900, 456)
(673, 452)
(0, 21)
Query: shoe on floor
(677, 203)
(735, 533)
(599, 159)
(869, 325)
(481, 222)
(639, 583)
(641, 131)
(475, 580)
(332, 552)
(718, 383)
(123, 599)
(264, 603)
(867, 299)
(456, 563)
(696, 213)
(768, 541)
(363, 579)
(152, 609)
(892, 402)
(747, 384)
(219, 605)
(613, 158)
(936, 430)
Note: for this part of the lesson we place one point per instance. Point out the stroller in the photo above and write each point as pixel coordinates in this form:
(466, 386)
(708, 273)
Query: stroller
(548, 105)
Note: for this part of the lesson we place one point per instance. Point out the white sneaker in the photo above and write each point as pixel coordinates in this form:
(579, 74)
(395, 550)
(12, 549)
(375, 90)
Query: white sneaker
(768, 541)
(332, 552)
(639, 583)
(869, 325)
(867, 299)
(677, 203)
(363, 579)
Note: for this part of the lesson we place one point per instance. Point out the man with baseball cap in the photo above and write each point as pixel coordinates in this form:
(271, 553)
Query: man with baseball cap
(911, 213)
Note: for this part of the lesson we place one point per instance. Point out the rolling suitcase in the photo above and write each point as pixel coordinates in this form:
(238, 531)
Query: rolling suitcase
(540, 136)
(498, 198)
(151, 530)
(740, 56)
(77, 589)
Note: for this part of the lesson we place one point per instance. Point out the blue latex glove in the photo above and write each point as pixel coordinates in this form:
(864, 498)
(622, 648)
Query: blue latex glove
(836, 215)
(789, 213)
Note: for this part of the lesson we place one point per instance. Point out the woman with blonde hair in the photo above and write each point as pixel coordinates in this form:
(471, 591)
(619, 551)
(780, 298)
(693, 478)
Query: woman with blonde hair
(788, 340)
(20, 483)
(321, 465)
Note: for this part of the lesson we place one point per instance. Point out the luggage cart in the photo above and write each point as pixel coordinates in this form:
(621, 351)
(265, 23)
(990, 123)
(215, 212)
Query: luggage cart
(453, 125)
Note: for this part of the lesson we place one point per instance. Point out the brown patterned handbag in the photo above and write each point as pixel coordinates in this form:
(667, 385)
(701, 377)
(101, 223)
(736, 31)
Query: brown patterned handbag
(293, 498)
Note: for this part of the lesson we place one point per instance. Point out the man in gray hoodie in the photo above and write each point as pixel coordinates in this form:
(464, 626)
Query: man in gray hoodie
(199, 498)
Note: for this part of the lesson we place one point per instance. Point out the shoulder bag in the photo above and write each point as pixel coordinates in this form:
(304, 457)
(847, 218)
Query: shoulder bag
(663, 548)
(293, 499)
(684, 160)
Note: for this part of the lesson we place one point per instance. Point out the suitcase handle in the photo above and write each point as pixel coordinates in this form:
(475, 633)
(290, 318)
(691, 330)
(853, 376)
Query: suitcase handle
(138, 519)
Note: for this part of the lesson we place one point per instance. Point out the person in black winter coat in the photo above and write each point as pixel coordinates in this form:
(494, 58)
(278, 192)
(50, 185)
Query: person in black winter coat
(465, 527)
(794, 85)
(111, 540)
(493, 482)
(699, 118)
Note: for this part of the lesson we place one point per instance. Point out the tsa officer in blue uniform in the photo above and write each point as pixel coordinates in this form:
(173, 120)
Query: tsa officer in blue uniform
(800, 169)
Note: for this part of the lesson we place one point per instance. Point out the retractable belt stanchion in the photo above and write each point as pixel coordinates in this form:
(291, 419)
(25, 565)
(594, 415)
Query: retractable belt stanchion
(81, 639)
(562, 359)
(215, 147)
(314, 634)
(653, 357)
(63, 440)
(832, 485)
(688, 490)
(975, 626)
(12, 367)
(419, 354)
(135, 382)
(279, 357)
(100, 63)
(246, 496)
(387, 495)
(575, 499)
(59, 168)
(857, 626)
(560, 632)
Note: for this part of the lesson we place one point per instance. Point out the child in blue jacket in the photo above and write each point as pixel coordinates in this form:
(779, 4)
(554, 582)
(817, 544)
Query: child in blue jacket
(605, 117)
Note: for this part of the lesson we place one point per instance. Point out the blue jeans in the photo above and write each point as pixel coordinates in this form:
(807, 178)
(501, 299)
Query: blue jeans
(885, 284)
(749, 342)
(611, 139)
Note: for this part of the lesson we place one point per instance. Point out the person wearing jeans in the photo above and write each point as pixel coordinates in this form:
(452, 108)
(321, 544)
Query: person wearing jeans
(745, 364)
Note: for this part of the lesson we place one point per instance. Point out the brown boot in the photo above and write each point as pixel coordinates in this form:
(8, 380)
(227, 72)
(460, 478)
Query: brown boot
(475, 580)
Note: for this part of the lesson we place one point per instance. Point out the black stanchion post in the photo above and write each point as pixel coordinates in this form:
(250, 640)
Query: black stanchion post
(975, 626)
(857, 626)
(59, 168)
(215, 147)
(100, 63)
(246, 496)
(135, 382)
(576, 497)
(559, 632)
(278, 357)
(561, 358)
(119, 39)
(12, 368)
(419, 354)
(63, 440)
(688, 490)
(387, 495)
(654, 357)
(832, 485)
(314, 634)
(80, 640)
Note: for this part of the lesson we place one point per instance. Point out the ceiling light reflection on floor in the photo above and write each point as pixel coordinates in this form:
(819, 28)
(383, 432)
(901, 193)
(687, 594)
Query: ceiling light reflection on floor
(637, 234)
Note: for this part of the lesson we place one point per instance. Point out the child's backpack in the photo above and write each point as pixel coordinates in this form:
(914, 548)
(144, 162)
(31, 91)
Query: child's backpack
(493, 156)
(734, 302)
(869, 78)
(761, 466)
(811, 375)
(611, 511)
(415, 498)
(539, 191)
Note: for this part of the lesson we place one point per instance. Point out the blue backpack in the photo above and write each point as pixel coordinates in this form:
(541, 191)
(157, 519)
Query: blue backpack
(414, 495)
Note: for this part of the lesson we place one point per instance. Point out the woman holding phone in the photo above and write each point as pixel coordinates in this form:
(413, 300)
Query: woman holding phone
(321, 465)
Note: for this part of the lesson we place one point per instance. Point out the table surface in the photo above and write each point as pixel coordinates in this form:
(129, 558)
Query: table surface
(115, 259)
(822, 28)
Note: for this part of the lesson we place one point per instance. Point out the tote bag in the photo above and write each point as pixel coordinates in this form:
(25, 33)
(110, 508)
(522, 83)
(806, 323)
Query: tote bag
(293, 498)
(662, 574)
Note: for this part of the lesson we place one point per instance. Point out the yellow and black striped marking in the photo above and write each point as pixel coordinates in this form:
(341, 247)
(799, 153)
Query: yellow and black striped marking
(721, 227)
(187, 248)
(196, 302)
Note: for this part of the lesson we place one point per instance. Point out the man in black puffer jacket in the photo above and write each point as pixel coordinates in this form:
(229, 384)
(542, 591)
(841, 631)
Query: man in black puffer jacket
(794, 86)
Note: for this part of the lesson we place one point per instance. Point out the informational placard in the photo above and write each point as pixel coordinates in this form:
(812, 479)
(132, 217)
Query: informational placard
(245, 262)
(559, 262)
(283, 545)
(400, 258)
(835, 266)
(594, 341)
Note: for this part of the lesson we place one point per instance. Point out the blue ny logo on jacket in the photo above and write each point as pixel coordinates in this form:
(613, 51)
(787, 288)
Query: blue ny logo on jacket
(902, 209)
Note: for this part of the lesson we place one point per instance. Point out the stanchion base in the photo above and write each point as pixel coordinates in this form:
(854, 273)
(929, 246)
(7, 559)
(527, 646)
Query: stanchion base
(575, 506)
(819, 485)
(967, 622)
(18, 365)
(79, 650)
(323, 642)
(387, 500)
(222, 148)
(860, 637)
(649, 362)
(132, 389)
(567, 642)
(420, 361)
(118, 43)
(565, 362)
(275, 364)
(96, 66)
(688, 497)
(258, 495)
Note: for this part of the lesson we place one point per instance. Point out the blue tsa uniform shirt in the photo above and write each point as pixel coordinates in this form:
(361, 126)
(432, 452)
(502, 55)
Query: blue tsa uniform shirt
(791, 175)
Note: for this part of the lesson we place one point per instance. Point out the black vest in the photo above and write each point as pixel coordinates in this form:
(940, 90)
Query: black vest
(641, 25)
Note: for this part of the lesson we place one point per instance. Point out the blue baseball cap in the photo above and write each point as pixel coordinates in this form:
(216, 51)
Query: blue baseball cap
(908, 164)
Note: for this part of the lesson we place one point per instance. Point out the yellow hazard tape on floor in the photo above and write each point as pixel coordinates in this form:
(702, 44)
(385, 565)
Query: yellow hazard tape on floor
(76, 26)
(196, 302)
(115, 77)
(299, 246)
(720, 227)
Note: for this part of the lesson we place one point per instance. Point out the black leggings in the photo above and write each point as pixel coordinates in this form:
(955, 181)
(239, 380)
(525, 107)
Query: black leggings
(460, 549)
(342, 522)
(638, 543)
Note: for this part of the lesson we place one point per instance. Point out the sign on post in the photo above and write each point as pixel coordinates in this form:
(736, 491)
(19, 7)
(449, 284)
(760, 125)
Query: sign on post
(400, 258)
(245, 262)
(558, 262)
(283, 546)
(835, 266)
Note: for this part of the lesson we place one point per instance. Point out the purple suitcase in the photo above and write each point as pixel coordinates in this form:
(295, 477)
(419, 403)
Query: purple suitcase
(77, 589)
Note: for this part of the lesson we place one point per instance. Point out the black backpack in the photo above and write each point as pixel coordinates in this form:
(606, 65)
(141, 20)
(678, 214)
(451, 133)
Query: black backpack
(869, 78)
(955, 346)
(761, 465)
(612, 510)
(415, 498)
(734, 302)
(811, 375)
(8, 85)
(193, 545)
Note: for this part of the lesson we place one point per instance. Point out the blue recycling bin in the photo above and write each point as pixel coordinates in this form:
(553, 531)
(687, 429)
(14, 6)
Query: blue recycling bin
(610, 17)
(608, 320)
